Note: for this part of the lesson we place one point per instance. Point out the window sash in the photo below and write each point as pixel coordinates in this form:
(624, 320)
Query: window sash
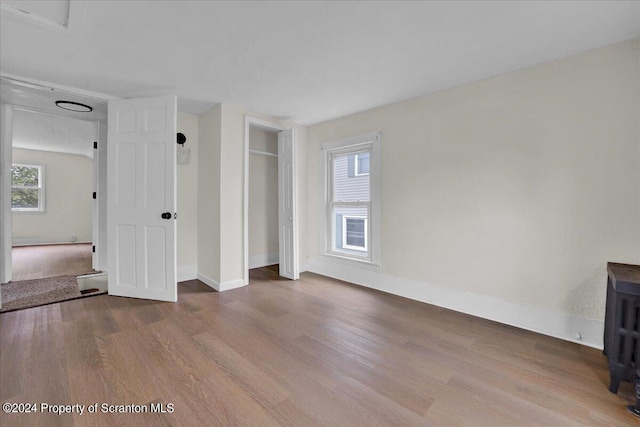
(26, 187)
(356, 162)
(363, 253)
(39, 188)
(26, 166)
(36, 209)
(331, 171)
(345, 233)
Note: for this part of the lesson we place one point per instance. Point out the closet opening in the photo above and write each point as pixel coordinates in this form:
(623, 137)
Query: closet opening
(263, 199)
(270, 200)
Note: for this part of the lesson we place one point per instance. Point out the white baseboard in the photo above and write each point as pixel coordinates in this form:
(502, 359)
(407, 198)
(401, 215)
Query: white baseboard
(231, 284)
(303, 268)
(263, 260)
(564, 326)
(187, 272)
(208, 281)
(35, 241)
(220, 287)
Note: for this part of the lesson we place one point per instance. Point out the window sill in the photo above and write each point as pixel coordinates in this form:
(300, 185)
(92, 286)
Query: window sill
(28, 212)
(353, 262)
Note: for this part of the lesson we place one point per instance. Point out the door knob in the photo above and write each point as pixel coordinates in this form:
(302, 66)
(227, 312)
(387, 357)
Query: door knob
(166, 215)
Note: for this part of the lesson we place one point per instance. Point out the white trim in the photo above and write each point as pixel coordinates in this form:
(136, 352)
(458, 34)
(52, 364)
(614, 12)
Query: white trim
(187, 272)
(231, 284)
(208, 281)
(40, 84)
(6, 157)
(36, 20)
(365, 138)
(265, 125)
(97, 280)
(256, 261)
(560, 325)
(39, 241)
(344, 233)
(41, 188)
(220, 287)
(36, 110)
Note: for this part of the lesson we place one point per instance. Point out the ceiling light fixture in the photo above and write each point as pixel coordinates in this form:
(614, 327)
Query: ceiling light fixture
(74, 106)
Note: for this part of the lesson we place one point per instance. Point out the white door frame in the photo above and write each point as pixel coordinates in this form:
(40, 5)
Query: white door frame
(6, 132)
(265, 125)
(6, 143)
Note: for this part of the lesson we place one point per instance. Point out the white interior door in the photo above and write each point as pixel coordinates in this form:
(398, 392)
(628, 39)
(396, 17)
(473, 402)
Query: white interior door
(141, 198)
(287, 202)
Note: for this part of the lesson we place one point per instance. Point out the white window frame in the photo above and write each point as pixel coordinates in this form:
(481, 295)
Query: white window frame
(344, 233)
(40, 188)
(356, 166)
(366, 142)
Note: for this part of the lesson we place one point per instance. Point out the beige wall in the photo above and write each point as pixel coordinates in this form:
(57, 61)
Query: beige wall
(263, 198)
(188, 201)
(520, 187)
(68, 202)
(209, 125)
(220, 214)
(231, 195)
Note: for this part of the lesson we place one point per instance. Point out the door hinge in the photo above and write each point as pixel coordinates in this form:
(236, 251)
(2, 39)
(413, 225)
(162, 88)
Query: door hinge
(93, 249)
(95, 145)
(95, 194)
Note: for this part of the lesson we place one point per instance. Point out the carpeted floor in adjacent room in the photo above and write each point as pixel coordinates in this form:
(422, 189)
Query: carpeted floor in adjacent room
(35, 292)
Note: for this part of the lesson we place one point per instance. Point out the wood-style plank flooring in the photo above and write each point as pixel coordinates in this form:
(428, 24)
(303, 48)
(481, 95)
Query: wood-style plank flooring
(35, 262)
(312, 352)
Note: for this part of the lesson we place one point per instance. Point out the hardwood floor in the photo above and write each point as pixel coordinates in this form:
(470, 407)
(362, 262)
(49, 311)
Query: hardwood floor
(35, 262)
(312, 352)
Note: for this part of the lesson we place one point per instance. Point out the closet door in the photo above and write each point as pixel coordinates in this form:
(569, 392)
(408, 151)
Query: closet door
(287, 202)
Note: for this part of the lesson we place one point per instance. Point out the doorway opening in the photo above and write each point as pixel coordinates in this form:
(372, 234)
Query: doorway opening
(264, 246)
(50, 209)
(51, 195)
(270, 199)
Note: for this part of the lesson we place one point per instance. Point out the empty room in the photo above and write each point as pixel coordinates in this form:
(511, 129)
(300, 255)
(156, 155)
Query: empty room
(318, 213)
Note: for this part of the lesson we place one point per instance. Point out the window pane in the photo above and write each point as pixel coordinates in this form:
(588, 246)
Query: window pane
(349, 230)
(363, 163)
(24, 198)
(355, 232)
(347, 185)
(24, 176)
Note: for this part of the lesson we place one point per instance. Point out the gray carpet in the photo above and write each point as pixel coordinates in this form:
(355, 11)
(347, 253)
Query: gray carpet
(32, 293)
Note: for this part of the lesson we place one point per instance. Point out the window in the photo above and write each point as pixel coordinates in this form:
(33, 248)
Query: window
(27, 188)
(354, 234)
(352, 198)
(361, 164)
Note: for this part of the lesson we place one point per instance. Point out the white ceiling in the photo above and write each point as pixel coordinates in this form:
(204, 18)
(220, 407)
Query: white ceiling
(302, 61)
(46, 132)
